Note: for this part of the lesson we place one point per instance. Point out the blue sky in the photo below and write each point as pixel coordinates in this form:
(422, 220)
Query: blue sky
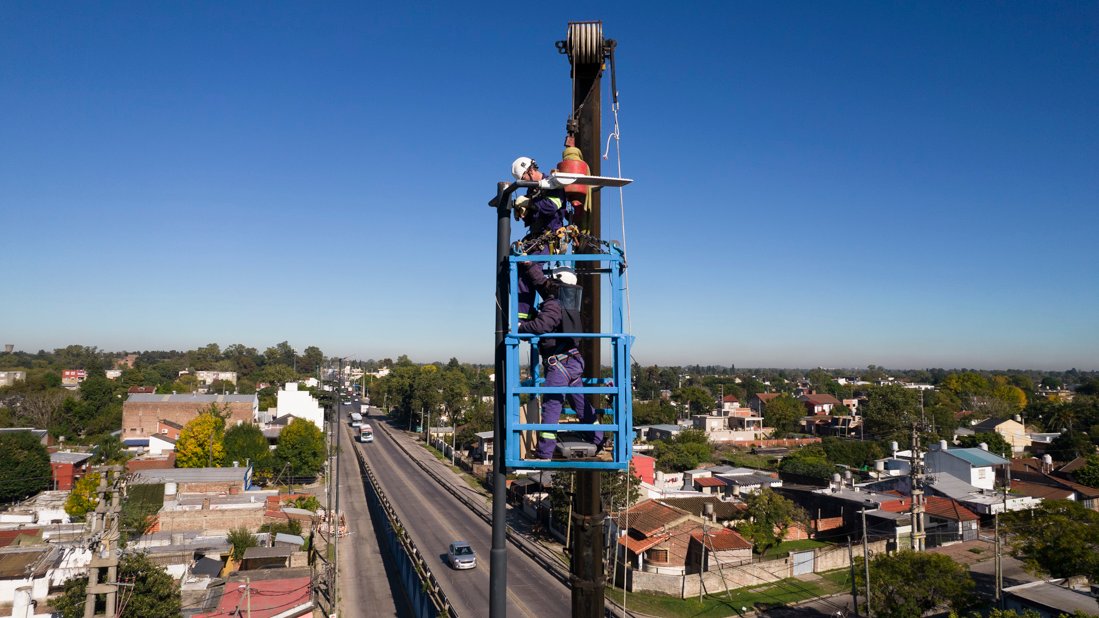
(838, 184)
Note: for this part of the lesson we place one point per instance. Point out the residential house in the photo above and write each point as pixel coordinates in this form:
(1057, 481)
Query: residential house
(141, 389)
(975, 466)
(1034, 471)
(730, 406)
(269, 593)
(42, 435)
(143, 414)
(984, 502)
(71, 378)
(482, 451)
(820, 403)
(721, 511)
(1010, 430)
(300, 404)
(160, 444)
(10, 377)
(657, 538)
(206, 378)
(25, 571)
(198, 480)
(662, 432)
(1049, 599)
(743, 481)
(758, 402)
(946, 521)
(68, 468)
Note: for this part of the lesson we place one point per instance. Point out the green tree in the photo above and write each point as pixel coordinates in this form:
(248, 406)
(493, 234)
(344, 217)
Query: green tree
(909, 583)
(769, 517)
(890, 411)
(783, 413)
(854, 453)
(110, 450)
(1070, 445)
(684, 451)
(301, 446)
(995, 442)
(153, 594)
(84, 496)
(280, 353)
(309, 503)
(241, 539)
(246, 443)
(311, 359)
(1058, 538)
(200, 442)
(24, 466)
(809, 461)
(694, 399)
(1089, 474)
(654, 412)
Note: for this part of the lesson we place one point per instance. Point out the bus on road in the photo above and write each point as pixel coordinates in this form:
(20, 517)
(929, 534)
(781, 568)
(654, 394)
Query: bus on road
(366, 433)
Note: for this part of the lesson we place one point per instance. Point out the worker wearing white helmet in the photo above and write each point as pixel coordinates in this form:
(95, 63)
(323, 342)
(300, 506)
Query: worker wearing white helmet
(541, 209)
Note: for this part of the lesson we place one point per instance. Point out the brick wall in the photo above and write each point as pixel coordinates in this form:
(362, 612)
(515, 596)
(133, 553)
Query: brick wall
(140, 419)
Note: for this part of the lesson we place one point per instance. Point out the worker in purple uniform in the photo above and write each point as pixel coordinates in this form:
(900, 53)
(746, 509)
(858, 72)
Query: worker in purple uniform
(540, 209)
(562, 362)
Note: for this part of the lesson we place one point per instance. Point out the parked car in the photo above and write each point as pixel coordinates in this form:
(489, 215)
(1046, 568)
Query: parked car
(461, 555)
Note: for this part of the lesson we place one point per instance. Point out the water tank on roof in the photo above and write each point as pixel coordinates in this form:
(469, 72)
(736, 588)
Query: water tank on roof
(983, 446)
(1046, 459)
(943, 445)
(879, 466)
(170, 489)
(893, 447)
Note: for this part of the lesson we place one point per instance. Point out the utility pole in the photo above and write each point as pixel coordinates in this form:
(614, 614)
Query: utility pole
(866, 563)
(586, 50)
(999, 544)
(105, 534)
(919, 533)
(854, 584)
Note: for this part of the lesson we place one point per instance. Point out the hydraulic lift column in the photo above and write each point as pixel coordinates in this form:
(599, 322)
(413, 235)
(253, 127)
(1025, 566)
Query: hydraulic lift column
(585, 48)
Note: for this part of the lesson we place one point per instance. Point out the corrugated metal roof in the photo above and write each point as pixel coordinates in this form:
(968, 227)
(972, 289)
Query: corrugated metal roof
(70, 458)
(977, 457)
(189, 398)
(188, 475)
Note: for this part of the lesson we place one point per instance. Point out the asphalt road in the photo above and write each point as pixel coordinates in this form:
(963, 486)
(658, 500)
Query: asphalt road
(365, 581)
(434, 518)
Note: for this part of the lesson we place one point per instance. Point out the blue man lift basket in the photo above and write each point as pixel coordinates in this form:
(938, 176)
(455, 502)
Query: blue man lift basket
(616, 390)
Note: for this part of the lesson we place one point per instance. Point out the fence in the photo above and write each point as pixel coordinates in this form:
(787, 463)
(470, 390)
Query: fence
(754, 574)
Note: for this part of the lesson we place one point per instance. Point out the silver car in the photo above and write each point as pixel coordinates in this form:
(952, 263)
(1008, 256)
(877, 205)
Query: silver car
(461, 555)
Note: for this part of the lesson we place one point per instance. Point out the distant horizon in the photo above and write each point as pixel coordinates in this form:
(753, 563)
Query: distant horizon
(739, 366)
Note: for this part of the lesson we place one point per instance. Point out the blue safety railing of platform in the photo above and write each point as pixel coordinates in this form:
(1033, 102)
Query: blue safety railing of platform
(617, 390)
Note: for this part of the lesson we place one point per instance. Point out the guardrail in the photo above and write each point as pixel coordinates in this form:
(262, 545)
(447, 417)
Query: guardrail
(422, 589)
(544, 557)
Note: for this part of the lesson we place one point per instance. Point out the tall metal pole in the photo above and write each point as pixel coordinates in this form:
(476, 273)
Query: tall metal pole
(498, 557)
(585, 48)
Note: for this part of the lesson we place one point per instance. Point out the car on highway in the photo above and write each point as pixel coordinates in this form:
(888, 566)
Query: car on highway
(461, 555)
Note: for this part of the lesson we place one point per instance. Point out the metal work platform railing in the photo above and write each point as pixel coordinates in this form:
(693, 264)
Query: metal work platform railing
(616, 419)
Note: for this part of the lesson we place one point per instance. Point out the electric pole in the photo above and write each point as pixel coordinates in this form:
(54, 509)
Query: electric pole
(919, 533)
(586, 50)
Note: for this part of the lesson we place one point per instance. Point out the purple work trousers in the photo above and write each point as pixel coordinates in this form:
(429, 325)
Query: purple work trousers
(564, 370)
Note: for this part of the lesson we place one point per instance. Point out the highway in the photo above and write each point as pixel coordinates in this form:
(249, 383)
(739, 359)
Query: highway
(366, 584)
(434, 518)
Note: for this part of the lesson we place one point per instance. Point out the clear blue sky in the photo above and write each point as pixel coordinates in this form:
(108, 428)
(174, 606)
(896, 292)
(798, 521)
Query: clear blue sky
(837, 184)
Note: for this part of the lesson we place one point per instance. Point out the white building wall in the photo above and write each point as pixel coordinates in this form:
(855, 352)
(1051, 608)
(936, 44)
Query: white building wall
(300, 404)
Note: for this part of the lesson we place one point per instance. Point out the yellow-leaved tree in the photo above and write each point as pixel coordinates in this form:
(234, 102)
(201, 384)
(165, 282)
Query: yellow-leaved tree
(84, 496)
(200, 441)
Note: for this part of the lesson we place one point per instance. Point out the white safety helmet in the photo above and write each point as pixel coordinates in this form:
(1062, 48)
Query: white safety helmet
(564, 274)
(521, 165)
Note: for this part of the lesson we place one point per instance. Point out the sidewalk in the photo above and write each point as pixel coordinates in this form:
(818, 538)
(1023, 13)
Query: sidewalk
(967, 553)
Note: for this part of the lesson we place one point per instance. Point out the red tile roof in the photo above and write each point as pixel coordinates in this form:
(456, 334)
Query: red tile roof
(723, 539)
(948, 509)
(820, 399)
(708, 481)
(765, 397)
(1037, 490)
(651, 516)
(637, 546)
(730, 399)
